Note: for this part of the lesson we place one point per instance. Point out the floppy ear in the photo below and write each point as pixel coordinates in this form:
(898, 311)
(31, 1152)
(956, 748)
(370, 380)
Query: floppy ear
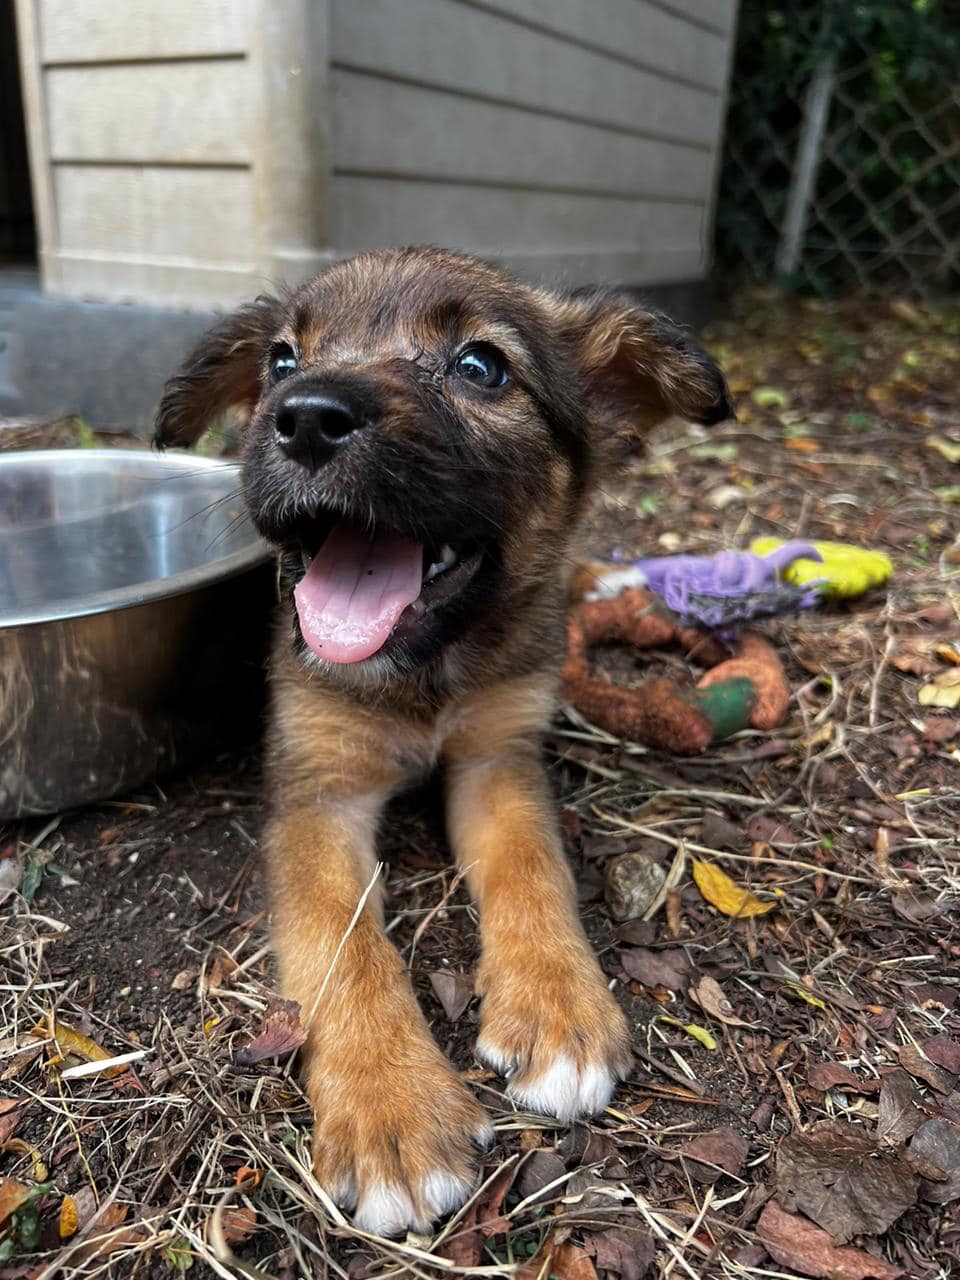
(639, 367)
(222, 372)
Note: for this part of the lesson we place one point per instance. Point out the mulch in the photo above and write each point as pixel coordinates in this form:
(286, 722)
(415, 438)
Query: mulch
(794, 1110)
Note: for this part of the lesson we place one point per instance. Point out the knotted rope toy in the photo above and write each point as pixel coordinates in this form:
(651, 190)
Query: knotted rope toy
(702, 603)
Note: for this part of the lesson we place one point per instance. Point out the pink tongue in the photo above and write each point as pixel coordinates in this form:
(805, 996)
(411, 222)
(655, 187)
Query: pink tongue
(356, 588)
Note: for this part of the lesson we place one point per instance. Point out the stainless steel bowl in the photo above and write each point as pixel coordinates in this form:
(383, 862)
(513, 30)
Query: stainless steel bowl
(134, 602)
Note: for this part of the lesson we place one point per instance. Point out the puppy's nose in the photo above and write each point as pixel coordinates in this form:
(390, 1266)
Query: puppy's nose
(311, 425)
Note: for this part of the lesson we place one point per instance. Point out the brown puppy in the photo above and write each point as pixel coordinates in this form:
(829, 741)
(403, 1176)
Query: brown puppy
(422, 433)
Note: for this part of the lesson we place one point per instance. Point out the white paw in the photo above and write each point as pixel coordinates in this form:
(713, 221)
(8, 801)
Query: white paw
(386, 1210)
(563, 1090)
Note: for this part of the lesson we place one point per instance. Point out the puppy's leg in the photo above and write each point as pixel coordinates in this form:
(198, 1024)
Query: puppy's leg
(396, 1130)
(549, 1022)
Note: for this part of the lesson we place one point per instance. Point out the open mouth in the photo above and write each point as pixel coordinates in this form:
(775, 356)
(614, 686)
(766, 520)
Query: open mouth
(362, 590)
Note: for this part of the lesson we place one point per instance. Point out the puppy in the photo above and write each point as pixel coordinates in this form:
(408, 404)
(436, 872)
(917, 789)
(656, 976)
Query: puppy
(422, 432)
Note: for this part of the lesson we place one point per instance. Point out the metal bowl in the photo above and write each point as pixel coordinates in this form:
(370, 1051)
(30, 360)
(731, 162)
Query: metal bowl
(134, 602)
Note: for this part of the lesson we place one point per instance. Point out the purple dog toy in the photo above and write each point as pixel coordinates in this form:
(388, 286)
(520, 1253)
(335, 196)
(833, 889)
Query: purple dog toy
(732, 587)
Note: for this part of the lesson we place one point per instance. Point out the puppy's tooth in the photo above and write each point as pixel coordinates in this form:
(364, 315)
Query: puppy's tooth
(448, 556)
(311, 509)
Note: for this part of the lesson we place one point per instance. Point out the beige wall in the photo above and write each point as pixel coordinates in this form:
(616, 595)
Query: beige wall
(189, 152)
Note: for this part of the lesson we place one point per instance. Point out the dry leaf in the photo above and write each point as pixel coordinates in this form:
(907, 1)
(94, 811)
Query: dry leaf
(248, 1178)
(708, 994)
(280, 1033)
(19, 1056)
(12, 1196)
(835, 1174)
(239, 1223)
(831, 1075)
(942, 691)
(898, 1114)
(795, 1242)
(937, 1144)
(69, 1218)
(712, 1154)
(71, 1042)
(918, 1064)
(465, 1246)
(453, 990)
(669, 968)
(944, 1051)
(626, 1251)
(540, 1170)
(10, 1117)
(566, 1261)
(721, 892)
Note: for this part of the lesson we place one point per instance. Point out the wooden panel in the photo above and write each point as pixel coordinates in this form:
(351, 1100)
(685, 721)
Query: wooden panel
(109, 278)
(166, 112)
(446, 136)
(436, 42)
(114, 30)
(618, 267)
(491, 220)
(719, 15)
(190, 214)
(630, 29)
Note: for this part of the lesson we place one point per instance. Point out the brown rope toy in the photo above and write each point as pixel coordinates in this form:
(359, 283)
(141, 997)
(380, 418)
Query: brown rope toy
(743, 688)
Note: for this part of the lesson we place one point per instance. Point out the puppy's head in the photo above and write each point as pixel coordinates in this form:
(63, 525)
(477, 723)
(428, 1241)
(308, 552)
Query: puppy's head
(421, 432)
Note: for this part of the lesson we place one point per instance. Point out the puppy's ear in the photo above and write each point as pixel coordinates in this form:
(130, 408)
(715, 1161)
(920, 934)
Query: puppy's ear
(639, 367)
(222, 372)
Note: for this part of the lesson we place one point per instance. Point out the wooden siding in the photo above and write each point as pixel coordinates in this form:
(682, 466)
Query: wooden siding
(190, 153)
(131, 30)
(556, 134)
(159, 112)
(177, 148)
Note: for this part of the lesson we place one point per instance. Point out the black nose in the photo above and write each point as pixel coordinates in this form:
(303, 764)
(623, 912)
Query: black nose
(311, 425)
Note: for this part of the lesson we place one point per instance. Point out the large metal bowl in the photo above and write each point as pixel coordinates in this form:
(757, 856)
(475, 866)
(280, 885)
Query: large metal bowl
(134, 602)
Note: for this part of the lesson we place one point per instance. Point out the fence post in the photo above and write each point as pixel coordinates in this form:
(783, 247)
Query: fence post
(816, 108)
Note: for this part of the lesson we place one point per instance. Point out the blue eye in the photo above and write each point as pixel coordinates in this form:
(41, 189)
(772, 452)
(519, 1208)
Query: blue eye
(482, 366)
(283, 362)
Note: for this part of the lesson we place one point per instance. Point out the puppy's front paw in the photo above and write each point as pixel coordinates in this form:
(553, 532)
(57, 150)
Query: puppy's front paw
(557, 1035)
(396, 1137)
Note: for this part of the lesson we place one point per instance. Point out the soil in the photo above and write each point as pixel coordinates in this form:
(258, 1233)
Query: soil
(146, 921)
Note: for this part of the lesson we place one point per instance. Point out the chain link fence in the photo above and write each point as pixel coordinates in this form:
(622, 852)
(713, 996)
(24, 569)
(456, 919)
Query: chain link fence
(842, 157)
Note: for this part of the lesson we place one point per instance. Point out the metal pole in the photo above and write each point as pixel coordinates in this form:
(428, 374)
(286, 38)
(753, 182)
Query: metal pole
(816, 108)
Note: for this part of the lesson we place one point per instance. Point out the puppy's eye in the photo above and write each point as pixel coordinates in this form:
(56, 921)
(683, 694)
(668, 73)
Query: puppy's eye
(481, 365)
(283, 362)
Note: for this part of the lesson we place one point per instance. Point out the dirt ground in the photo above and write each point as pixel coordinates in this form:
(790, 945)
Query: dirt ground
(794, 1110)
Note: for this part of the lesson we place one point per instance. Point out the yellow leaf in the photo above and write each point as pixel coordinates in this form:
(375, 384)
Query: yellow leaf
(69, 1218)
(942, 691)
(799, 990)
(24, 1148)
(691, 1028)
(770, 398)
(70, 1041)
(721, 892)
(949, 449)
